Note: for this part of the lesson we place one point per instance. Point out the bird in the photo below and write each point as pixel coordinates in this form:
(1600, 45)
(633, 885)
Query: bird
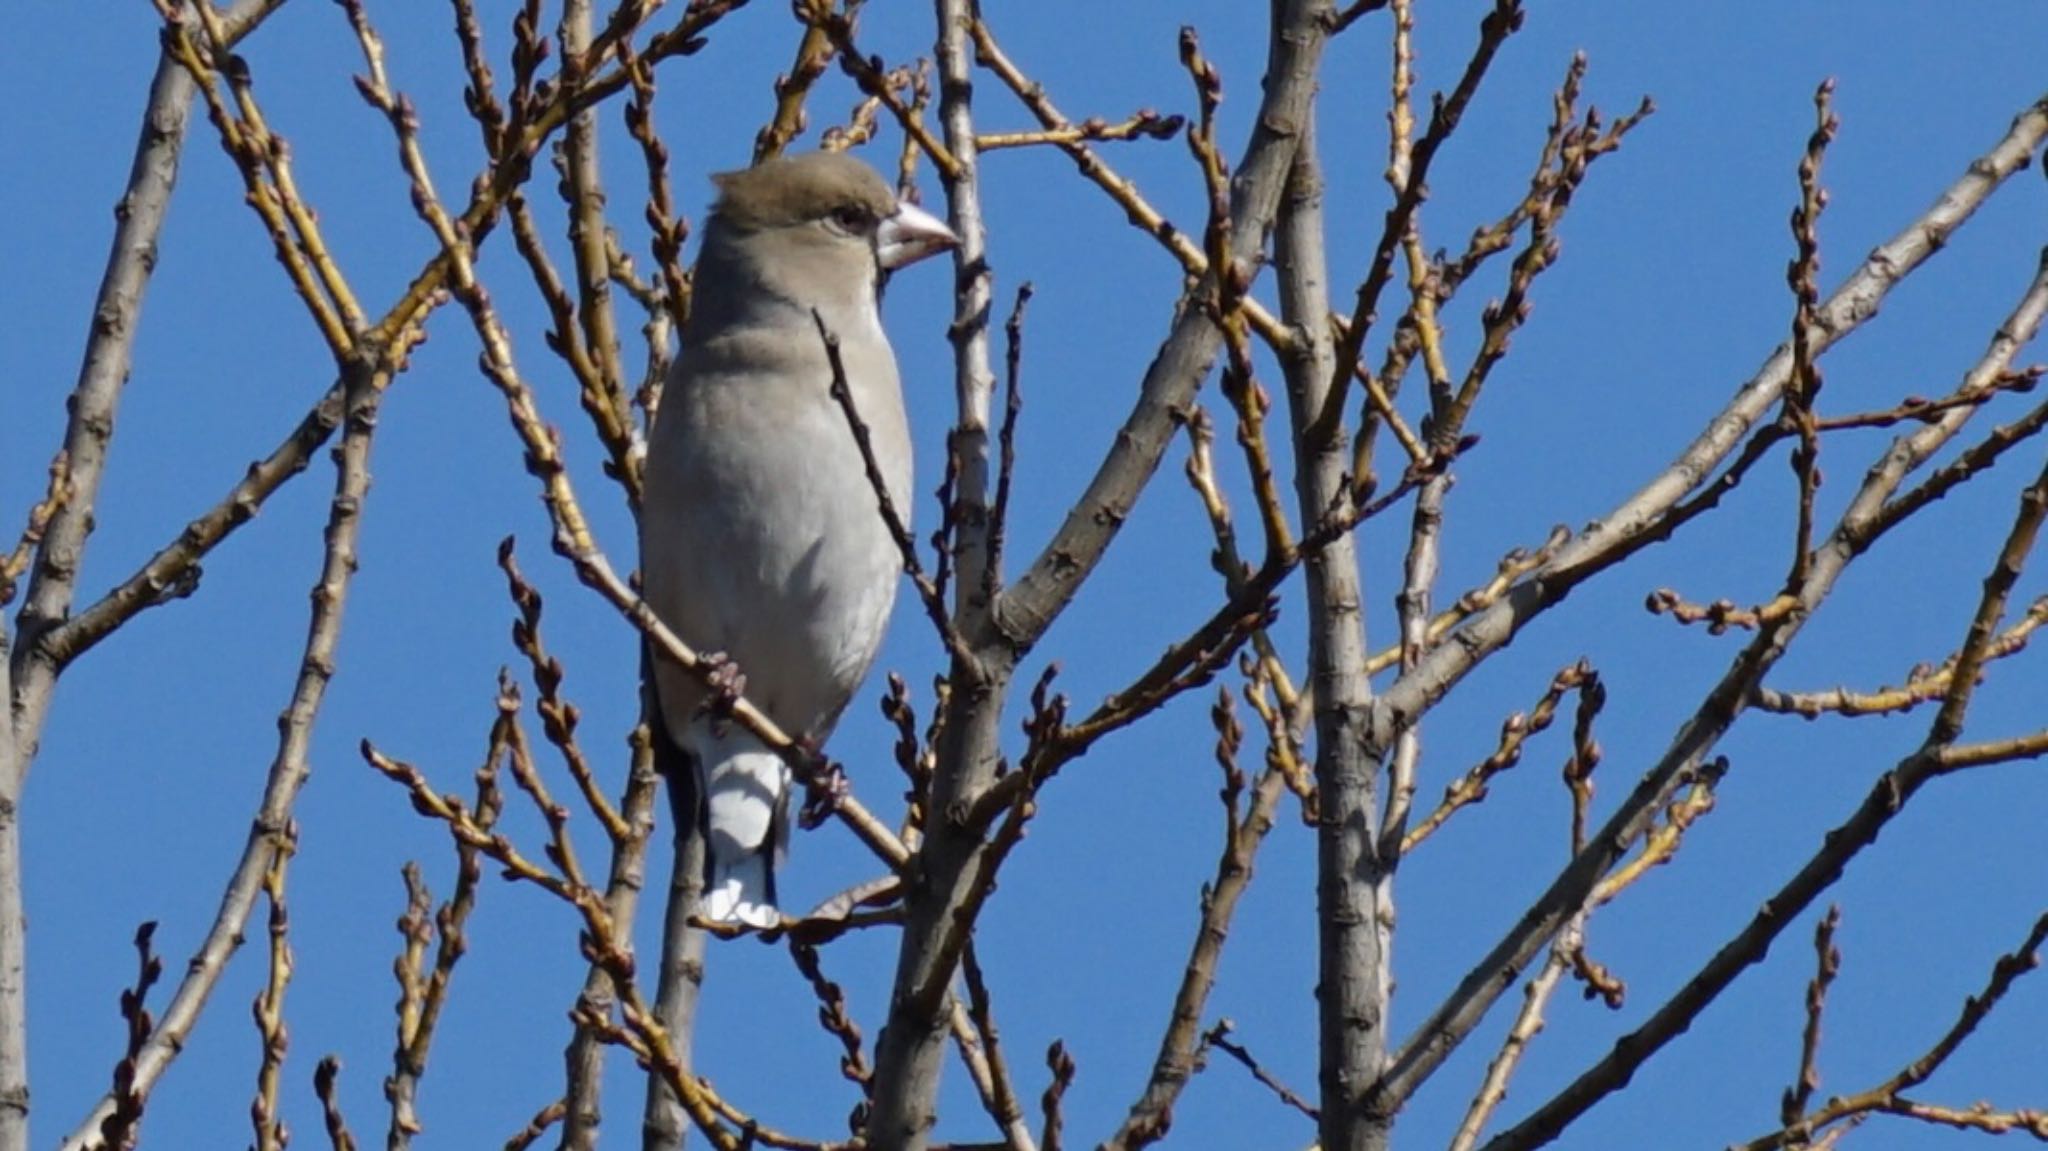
(761, 535)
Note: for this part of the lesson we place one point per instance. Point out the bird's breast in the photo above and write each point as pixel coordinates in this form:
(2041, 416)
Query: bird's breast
(762, 535)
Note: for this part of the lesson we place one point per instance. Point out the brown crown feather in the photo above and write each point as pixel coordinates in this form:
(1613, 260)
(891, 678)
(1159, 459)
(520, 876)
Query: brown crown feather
(794, 189)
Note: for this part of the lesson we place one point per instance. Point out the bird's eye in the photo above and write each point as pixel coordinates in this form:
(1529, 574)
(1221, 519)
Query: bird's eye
(853, 217)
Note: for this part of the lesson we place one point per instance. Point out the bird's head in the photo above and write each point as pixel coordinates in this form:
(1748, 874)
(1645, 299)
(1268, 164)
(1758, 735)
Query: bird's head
(824, 215)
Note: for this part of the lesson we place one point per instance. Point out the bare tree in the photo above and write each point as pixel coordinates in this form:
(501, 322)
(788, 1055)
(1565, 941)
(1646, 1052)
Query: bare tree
(1383, 404)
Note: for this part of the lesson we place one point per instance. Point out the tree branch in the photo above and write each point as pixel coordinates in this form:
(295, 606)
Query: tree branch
(1028, 607)
(1886, 799)
(1630, 528)
(287, 771)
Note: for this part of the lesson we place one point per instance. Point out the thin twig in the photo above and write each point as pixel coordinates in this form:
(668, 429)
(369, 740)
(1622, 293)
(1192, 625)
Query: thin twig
(1006, 440)
(90, 410)
(1500, 23)
(833, 1017)
(1536, 996)
(1001, 1100)
(423, 992)
(1144, 124)
(1889, 796)
(325, 1075)
(1243, 833)
(1888, 1096)
(1515, 732)
(1924, 684)
(1827, 964)
(1061, 1064)
(39, 515)
(1802, 275)
(269, 1006)
(1218, 1037)
(927, 591)
(122, 1126)
(288, 769)
(814, 53)
(1634, 525)
(538, 1126)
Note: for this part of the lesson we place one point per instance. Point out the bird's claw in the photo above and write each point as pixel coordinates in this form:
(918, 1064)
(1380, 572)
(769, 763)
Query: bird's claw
(722, 675)
(822, 791)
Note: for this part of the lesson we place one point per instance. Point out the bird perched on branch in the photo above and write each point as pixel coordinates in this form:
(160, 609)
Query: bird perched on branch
(760, 534)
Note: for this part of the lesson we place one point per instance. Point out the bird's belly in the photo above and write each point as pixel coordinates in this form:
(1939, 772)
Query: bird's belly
(803, 616)
(799, 607)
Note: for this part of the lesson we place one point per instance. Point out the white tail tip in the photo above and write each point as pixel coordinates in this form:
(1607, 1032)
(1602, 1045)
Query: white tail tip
(739, 893)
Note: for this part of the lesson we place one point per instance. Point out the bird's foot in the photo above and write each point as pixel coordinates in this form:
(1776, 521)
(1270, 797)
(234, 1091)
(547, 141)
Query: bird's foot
(824, 788)
(727, 684)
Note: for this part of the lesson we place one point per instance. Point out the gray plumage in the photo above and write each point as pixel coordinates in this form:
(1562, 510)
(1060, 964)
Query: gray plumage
(760, 537)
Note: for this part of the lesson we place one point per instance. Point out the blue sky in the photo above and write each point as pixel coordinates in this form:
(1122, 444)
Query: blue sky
(1669, 294)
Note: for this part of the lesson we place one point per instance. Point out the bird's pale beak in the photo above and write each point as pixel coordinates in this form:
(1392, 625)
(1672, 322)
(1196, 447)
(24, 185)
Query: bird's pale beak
(910, 235)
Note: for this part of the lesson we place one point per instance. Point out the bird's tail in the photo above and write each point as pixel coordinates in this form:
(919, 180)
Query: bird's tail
(746, 813)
